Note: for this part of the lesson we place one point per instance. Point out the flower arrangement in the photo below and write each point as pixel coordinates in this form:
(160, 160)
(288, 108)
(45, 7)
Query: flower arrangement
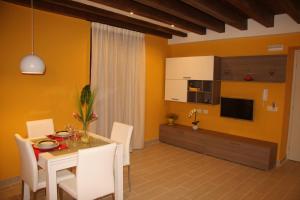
(85, 112)
(194, 112)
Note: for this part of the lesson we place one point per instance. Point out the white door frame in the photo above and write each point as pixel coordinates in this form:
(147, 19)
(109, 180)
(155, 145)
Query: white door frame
(292, 102)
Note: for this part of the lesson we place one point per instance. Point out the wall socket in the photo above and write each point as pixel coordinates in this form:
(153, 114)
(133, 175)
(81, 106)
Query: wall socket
(272, 108)
(205, 111)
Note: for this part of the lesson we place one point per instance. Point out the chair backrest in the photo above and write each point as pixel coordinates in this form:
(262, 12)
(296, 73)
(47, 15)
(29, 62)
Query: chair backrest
(29, 169)
(122, 133)
(40, 127)
(95, 172)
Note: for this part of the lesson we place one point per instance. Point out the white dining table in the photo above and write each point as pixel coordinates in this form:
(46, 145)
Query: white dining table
(53, 163)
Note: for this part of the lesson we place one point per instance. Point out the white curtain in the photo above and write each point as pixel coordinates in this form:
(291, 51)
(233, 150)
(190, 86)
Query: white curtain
(118, 76)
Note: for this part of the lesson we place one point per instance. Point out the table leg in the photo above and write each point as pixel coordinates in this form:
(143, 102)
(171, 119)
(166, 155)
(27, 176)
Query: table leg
(119, 173)
(51, 187)
(26, 191)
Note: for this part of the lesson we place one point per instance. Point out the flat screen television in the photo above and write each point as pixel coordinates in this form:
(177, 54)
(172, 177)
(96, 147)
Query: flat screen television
(237, 108)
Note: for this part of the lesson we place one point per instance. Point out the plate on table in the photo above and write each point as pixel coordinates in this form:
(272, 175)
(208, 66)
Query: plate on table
(46, 144)
(63, 134)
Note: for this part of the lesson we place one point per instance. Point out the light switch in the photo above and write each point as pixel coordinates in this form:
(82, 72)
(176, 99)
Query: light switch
(265, 95)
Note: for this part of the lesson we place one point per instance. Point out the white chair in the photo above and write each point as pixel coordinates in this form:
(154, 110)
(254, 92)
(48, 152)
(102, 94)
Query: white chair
(40, 127)
(34, 178)
(94, 174)
(121, 133)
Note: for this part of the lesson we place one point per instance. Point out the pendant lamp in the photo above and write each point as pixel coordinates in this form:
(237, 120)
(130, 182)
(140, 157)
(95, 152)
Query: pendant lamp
(32, 64)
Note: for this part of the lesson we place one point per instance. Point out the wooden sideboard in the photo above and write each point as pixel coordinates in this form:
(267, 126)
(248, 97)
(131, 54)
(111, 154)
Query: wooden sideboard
(250, 152)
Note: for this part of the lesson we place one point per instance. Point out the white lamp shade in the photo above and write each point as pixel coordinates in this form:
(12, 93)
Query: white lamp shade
(32, 64)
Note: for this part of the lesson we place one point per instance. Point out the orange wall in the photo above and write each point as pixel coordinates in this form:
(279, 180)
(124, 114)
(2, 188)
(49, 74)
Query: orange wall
(267, 126)
(155, 111)
(64, 44)
(235, 47)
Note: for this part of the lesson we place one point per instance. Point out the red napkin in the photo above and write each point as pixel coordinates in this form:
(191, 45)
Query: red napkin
(53, 137)
(37, 151)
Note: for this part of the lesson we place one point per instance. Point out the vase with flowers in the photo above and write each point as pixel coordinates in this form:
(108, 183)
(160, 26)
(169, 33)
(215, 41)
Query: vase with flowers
(85, 112)
(195, 123)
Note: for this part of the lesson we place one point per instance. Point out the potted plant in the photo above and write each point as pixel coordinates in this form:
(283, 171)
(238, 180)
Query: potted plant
(195, 123)
(172, 117)
(85, 112)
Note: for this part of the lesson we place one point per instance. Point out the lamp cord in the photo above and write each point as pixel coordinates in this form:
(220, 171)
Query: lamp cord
(32, 26)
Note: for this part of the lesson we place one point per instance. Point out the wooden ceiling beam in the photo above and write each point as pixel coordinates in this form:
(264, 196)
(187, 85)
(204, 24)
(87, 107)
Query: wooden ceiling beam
(90, 13)
(186, 12)
(273, 6)
(291, 7)
(151, 13)
(220, 10)
(115, 16)
(255, 10)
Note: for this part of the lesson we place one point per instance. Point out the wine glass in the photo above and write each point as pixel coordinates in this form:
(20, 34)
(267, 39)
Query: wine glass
(69, 128)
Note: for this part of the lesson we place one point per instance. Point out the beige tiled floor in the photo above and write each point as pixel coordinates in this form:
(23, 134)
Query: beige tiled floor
(164, 172)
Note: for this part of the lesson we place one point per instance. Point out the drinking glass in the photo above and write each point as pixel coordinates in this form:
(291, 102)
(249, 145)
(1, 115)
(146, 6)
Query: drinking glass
(69, 142)
(75, 137)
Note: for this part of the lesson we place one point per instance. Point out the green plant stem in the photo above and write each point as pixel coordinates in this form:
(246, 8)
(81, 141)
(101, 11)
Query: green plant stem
(84, 126)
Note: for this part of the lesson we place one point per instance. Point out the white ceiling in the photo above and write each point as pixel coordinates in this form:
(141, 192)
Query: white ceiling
(282, 24)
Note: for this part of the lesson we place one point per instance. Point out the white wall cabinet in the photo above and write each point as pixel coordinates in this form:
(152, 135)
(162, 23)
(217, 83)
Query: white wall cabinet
(176, 90)
(192, 79)
(193, 68)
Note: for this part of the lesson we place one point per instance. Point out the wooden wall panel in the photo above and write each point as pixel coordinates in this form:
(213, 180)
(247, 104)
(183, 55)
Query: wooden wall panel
(254, 68)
